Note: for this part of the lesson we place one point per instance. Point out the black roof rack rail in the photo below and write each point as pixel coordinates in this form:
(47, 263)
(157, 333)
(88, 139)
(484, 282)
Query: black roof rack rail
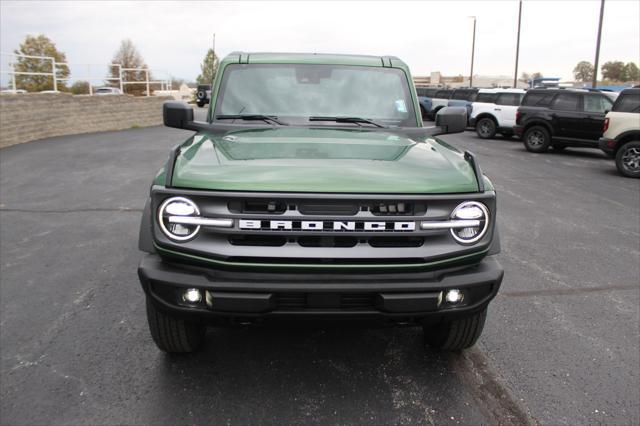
(471, 158)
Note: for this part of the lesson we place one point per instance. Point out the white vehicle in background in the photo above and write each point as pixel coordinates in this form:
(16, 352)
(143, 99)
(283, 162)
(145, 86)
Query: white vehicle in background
(494, 111)
(621, 138)
(103, 91)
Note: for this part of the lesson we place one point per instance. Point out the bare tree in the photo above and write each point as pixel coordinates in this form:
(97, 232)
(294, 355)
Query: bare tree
(128, 57)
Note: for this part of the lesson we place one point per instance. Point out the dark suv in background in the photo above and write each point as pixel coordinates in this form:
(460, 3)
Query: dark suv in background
(561, 118)
(203, 94)
(464, 98)
(425, 96)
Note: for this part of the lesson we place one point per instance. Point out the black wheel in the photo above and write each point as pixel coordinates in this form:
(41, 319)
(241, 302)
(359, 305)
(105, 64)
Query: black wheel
(558, 147)
(628, 159)
(456, 335)
(171, 334)
(200, 104)
(536, 139)
(486, 128)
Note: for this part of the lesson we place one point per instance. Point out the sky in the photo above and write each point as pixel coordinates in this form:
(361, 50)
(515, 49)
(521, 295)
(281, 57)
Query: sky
(173, 37)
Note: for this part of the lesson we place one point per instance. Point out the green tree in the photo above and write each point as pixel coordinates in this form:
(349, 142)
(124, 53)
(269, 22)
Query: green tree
(209, 68)
(39, 45)
(80, 88)
(583, 71)
(631, 72)
(128, 57)
(613, 70)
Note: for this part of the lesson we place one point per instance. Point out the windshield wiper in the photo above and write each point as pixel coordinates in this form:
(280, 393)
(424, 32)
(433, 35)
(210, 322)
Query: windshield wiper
(355, 120)
(251, 117)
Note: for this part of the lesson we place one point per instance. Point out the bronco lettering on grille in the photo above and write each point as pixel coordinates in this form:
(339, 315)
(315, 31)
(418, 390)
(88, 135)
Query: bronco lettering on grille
(318, 225)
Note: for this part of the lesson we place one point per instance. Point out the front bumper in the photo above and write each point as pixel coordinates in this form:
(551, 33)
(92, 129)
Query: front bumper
(254, 296)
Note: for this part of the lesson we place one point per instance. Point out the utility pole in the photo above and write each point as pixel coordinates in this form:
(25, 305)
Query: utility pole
(515, 74)
(473, 49)
(595, 65)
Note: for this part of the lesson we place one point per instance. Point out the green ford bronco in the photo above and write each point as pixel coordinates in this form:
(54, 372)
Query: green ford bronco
(313, 191)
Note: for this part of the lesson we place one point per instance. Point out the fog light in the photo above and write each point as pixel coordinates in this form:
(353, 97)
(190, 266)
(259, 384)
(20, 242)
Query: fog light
(192, 295)
(453, 296)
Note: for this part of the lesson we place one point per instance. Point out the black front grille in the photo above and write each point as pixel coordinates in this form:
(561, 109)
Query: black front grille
(329, 209)
(258, 240)
(324, 241)
(305, 301)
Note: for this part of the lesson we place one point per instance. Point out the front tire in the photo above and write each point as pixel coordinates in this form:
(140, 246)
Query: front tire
(461, 333)
(536, 139)
(171, 334)
(628, 159)
(486, 128)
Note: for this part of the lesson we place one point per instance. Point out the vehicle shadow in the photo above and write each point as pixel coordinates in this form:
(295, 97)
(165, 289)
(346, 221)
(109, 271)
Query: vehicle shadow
(577, 152)
(314, 374)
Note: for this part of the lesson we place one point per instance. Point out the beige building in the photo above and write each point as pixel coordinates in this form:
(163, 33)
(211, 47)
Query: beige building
(435, 79)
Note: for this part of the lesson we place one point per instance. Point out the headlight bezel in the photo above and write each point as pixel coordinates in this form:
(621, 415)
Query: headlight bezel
(161, 214)
(484, 222)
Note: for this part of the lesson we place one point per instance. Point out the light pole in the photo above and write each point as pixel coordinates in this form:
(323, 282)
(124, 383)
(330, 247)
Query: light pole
(473, 49)
(515, 74)
(595, 65)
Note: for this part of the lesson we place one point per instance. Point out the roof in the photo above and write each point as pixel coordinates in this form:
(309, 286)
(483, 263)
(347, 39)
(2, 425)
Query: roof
(313, 58)
(500, 90)
(632, 91)
(562, 89)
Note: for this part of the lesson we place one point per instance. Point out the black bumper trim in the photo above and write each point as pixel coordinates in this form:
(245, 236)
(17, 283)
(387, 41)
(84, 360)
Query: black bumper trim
(603, 144)
(255, 298)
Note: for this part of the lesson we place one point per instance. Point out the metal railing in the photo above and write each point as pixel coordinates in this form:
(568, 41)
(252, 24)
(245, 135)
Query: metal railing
(121, 79)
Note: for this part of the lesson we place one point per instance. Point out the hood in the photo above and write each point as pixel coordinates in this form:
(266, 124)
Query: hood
(301, 159)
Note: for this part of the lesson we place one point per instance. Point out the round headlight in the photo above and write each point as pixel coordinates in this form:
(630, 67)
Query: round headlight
(178, 207)
(471, 211)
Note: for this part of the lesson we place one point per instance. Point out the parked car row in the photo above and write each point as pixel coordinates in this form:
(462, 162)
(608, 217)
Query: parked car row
(554, 118)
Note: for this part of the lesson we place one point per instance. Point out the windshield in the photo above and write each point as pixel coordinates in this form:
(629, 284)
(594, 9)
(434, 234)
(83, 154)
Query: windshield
(294, 93)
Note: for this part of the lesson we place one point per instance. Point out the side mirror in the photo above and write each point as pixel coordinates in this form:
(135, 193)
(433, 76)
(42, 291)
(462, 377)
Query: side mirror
(177, 114)
(452, 119)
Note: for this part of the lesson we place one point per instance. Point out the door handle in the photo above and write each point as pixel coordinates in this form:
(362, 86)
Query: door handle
(497, 109)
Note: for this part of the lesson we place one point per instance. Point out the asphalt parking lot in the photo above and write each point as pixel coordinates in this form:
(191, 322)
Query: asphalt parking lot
(561, 344)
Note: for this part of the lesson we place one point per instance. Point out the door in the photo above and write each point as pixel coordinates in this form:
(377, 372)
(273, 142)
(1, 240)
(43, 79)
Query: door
(506, 108)
(595, 107)
(567, 117)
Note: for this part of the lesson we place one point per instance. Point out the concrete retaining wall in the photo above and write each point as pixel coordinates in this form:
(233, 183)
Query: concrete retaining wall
(28, 117)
